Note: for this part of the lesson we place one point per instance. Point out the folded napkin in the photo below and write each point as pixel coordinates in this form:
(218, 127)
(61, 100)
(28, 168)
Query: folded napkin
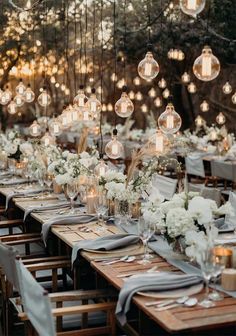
(106, 243)
(13, 181)
(223, 226)
(38, 208)
(21, 193)
(150, 282)
(63, 220)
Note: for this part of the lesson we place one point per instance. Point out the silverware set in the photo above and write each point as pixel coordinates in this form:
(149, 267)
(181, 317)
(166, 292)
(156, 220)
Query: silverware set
(162, 305)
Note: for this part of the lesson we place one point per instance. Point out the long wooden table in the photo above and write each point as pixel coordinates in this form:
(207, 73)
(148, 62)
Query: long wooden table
(178, 320)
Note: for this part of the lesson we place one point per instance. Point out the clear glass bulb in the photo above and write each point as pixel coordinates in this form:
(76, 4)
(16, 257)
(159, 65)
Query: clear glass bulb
(204, 106)
(4, 99)
(206, 67)
(101, 168)
(139, 96)
(20, 88)
(47, 140)
(87, 115)
(144, 108)
(158, 102)
(93, 104)
(180, 56)
(192, 87)
(137, 81)
(80, 99)
(55, 127)
(166, 93)
(152, 93)
(44, 99)
(64, 121)
(159, 143)
(220, 118)
(227, 88)
(185, 77)
(12, 108)
(162, 83)
(132, 95)
(199, 121)
(124, 106)
(8, 94)
(19, 100)
(234, 98)
(148, 68)
(35, 129)
(213, 135)
(29, 95)
(192, 7)
(169, 121)
(114, 149)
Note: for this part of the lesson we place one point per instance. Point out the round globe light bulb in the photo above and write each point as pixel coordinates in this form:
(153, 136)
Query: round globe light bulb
(199, 121)
(55, 127)
(4, 99)
(169, 121)
(19, 100)
(220, 118)
(148, 68)
(192, 88)
(114, 148)
(35, 129)
(185, 77)
(207, 66)
(162, 83)
(44, 99)
(213, 135)
(101, 168)
(20, 88)
(29, 95)
(124, 106)
(80, 99)
(159, 143)
(12, 108)
(47, 140)
(204, 106)
(158, 102)
(144, 108)
(93, 104)
(192, 7)
(8, 94)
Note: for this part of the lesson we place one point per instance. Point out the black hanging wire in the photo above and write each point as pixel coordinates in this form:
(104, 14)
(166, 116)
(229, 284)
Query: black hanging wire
(149, 23)
(81, 50)
(75, 41)
(85, 43)
(64, 40)
(115, 59)
(124, 40)
(101, 80)
(67, 49)
(93, 38)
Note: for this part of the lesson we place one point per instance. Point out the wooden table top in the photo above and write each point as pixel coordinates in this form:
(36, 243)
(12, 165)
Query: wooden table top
(174, 320)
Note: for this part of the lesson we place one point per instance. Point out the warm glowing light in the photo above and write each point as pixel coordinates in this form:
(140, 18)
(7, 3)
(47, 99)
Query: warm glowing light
(35, 129)
(169, 121)
(162, 83)
(227, 88)
(192, 7)
(185, 78)
(114, 149)
(234, 98)
(29, 95)
(166, 93)
(55, 127)
(101, 168)
(93, 105)
(19, 100)
(220, 119)
(152, 93)
(144, 108)
(47, 140)
(124, 106)
(137, 81)
(12, 108)
(206, 67)
(158, 102)
(204, 106)
(199, 121)
(148, 68)
(139, 96)
(44, 98)
(192, 87)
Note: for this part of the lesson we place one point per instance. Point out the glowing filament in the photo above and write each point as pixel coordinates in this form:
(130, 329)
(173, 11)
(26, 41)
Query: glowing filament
(148, 69)
(206, 66)
(114, 149)
(192, 4)
(170, 121)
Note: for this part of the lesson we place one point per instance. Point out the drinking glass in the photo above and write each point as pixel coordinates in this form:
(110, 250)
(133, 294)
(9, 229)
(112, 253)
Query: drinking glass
(48, 180)
(207, 268)
(12, 166)
(72, 192)
(145, 231)
(218, 268)
(101, 208)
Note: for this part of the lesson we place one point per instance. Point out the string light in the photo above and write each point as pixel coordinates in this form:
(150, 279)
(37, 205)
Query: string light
(192, 7)
(204, 106)
(93, 105)
(101, 168)
(20, 88)
(166, 93)
(159, 142)
(44, 98)
(131, 95)
(109, 107)
(35, 129)
(152, 93)
(139, 96)
(137, 81)
(192, 88)
(124, 106)
(12, 108)
(158, 102)
(207, 66)
(19, 100)
(234, 98)
(114, 149)
(185, 78)
(199, 121)
(148, 68)
(162, 83)
(144, 108)
(169, 121)
(227, 88)
(29, 95)
(220, 118)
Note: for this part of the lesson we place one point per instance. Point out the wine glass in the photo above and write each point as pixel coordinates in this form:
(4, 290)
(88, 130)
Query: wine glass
(72, 193)
(207, 268)
(12, 166)
(145, 231)
(218, 268)
(48, 180)
(101, 209)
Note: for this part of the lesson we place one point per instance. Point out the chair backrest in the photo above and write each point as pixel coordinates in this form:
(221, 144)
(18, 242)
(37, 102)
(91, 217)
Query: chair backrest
(166, 185)
(211, 193)
(230, 219)
(194, 165)
(35, 301)
(222, 169)
(7, 261)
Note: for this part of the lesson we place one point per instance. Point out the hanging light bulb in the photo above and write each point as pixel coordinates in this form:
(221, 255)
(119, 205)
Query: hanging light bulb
(19, 100)
(74, 113)
(120, 83)
(93, 105)
(227, 88)
(148, 68)
(44, 98)
(152, 93)
(170, 54)
(158, 102)
(144, 108)
(12, 108)
(29, 94)
(132, 95)
(104, 108)
(101, 168)
(180, 55)
(8, 94)
(3, 99)
(162, 83)
(109, 107)
(185, 77)
(124, 106)
(206, 67)
(64, 121)
(213, 135)
(80, 99)
(192, 7)
(204, 106)
(169, 121)
(139, 96)
(47, 140)
(234, 98)
(137, 81)
(199, 121)
(35, 129)
(114, 77)
(220, 118)
(192, 87)
(166, 93)
(114, 149)
(20, 88)
(68, 113)
(159, 142)
(55, 127)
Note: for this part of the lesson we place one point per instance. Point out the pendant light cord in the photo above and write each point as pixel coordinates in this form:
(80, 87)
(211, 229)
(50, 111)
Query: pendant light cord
(101, 77)
(115, 60)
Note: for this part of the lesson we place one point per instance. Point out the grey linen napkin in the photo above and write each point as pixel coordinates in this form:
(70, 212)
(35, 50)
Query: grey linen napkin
(150, 282)
(63, 220)
(106, 243)
(9, 182)
(38, 208)
(21, 194)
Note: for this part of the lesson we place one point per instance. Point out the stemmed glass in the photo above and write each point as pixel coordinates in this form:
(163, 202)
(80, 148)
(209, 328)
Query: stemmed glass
(12, 166)
(101, 208)
(72, 191)
(48, 179)
(218, 268)
(208, 269)
(145, 230)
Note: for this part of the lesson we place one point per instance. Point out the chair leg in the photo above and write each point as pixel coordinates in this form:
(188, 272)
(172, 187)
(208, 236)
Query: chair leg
(112, 322)
(84, 316)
